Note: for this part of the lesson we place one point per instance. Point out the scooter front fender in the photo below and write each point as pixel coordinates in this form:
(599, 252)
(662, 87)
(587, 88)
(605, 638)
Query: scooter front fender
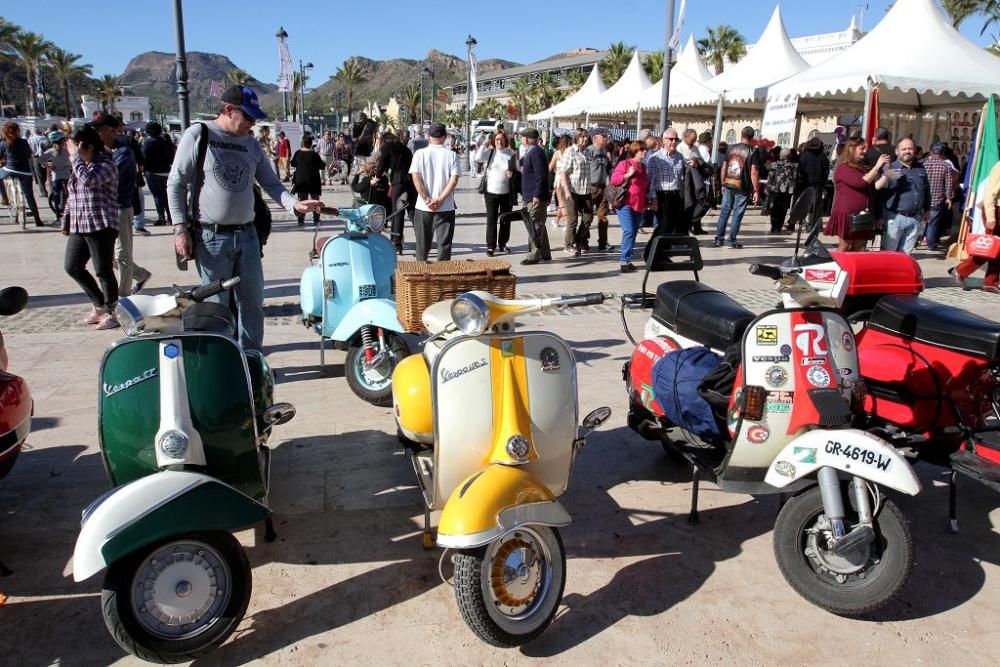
(493, 502)
(155, 507)
(375, 312)
(851, 451)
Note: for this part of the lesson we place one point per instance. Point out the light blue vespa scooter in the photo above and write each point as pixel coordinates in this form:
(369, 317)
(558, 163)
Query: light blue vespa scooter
(346, 297)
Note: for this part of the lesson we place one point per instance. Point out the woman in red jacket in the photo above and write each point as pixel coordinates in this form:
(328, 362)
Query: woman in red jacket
(630, 174)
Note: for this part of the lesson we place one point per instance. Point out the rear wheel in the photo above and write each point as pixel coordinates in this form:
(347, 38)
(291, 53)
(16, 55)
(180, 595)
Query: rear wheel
(177, 599)
(374, 385)
(857, 582)
(509, 591)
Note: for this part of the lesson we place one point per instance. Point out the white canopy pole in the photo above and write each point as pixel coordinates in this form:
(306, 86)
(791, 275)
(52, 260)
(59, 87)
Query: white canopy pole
(934, 129)
(718, 130)
(868, 106)
(638, 119)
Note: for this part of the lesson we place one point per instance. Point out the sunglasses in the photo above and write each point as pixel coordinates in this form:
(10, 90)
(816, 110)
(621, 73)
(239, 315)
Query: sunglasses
(248, 118)
(671, 139)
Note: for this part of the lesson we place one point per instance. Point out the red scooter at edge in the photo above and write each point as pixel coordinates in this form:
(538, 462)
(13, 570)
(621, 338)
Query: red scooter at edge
(15, 398)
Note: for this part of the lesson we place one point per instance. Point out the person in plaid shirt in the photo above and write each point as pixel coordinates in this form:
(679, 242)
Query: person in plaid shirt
(574, 175)
(91, 223)
(941, 177)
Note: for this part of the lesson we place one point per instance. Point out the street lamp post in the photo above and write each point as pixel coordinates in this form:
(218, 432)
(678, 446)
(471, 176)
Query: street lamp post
(469, 43)
(302, 90)
(182, 74)
(433, 95)
(422, 97)
(665, 93)
(282, 36)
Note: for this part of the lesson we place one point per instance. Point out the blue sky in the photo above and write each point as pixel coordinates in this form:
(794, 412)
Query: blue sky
(393, 28)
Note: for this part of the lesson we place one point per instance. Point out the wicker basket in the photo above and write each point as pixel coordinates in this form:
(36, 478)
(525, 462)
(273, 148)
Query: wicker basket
(421, 284)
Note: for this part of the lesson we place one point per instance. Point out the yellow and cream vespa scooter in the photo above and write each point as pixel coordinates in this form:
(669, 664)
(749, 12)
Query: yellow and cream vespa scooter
(490, 418)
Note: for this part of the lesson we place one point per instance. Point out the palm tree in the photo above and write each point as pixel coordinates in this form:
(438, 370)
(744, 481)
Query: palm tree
(520, 91)
(296, 85)
(350, 74)
(574, 80)
(109, 89)
(614, 62)
(65, 66)
(544, 90)
(7, 32)
(411, 98)
(238, 77)
(960, 10)
(654, 66)
(723, 43)
(387, 122)
(31, 48)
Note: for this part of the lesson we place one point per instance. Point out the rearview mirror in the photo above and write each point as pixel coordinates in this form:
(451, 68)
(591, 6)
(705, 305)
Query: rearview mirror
(278, 414)
(13, 300)
(596, 418)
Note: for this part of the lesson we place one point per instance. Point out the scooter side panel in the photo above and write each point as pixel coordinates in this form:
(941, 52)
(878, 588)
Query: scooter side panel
(354, 262)
(220, 399)
(378, 312)
(552, 396)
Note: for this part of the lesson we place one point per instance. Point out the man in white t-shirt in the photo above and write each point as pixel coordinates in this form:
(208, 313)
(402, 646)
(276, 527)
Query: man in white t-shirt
(435, 172)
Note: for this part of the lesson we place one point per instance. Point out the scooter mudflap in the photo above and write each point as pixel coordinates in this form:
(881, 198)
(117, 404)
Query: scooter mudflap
(856, 539)
(4, 570)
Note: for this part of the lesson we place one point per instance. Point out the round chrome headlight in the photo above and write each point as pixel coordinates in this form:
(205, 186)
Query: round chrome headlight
(470, 314)
(129, 317)
(518, 448)
(173, 444)
(376, 219)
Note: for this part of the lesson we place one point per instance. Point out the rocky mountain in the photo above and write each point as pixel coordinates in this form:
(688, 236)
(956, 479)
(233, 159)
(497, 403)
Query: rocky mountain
(154, 74)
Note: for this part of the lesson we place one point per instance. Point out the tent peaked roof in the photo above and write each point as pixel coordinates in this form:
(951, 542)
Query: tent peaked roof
(689, 62)
(577, 103)
(627, 91)
(772, 59)
(943, 67)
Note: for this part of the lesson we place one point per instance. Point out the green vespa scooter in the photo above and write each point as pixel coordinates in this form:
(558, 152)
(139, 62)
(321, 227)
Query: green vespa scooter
(184, 415)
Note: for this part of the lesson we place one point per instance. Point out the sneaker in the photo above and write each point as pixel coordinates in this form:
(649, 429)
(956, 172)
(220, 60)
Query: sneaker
(529, 262)
(142, 231)
(606, 248)
(735, 245)
(160, 223)
(108, 321)
(139, 284)
(489, 253)
(717, 243)
(571, 251)
(504, 249)
(627, 268)
(94, 316)
(959, 280)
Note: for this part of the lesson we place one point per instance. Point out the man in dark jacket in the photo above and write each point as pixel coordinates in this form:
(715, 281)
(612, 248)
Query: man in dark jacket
(394, 161)
(363, 134)
(535, 190)
(307, 181)
(814, 171)
(158, 154)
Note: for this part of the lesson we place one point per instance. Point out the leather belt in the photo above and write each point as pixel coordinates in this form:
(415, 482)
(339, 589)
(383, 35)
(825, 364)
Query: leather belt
(225, 228)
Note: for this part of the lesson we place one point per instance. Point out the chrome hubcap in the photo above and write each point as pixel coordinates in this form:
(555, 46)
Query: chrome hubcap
(519, 572)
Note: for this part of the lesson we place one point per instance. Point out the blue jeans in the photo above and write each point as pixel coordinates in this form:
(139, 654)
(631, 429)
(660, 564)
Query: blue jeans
(939, 224)
(225, 254)
(630, 221)
(902, 232)
(733, 202)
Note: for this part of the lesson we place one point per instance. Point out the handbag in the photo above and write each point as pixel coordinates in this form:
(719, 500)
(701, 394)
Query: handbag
(482, 181)
(863, 221)
(983, 246)
(615, 195)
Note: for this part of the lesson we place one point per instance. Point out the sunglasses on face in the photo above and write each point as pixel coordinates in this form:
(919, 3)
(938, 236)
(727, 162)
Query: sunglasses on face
(671, 139)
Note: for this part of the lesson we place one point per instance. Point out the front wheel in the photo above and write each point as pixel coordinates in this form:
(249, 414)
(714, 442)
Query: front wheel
(848, 584)
(509, 591)
(179, 598)
(374, 384)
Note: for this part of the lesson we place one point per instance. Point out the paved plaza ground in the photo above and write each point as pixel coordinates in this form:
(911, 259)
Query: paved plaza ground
(347, 581)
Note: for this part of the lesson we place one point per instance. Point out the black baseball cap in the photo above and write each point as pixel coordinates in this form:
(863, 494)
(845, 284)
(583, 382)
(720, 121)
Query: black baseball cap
(437, 130)
(245, 99)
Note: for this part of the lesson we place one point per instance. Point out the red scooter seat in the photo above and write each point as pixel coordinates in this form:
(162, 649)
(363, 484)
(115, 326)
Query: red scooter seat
(320, 242)
(937, 324)
(698, 312)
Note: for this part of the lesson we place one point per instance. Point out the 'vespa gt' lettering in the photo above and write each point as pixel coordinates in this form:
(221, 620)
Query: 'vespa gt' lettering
(112, 389)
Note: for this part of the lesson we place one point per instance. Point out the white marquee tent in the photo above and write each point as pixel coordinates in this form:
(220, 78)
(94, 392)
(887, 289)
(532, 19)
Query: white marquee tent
(624, 95)
(938, 68)
(577, 103)
(688, 77)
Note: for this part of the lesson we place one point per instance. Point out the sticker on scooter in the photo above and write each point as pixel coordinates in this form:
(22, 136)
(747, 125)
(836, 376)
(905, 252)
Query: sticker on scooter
(810, 340)
(733, 415)
(758, 435)
(778, 407)
(776, 376)
(813, 361)
(786, 350)
(112, 389)
(818, 377)
(844, 371)
(784, 468)
(804, 454)
(821, 275)
(859, 454)
(448, 376)
(767, 334)
(847, 341)
(550, 359)
(771, 358)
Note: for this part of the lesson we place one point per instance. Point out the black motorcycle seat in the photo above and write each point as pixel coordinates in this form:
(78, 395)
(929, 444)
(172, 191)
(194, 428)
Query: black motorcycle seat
(933, 323)
(210, 317)
(696, 311)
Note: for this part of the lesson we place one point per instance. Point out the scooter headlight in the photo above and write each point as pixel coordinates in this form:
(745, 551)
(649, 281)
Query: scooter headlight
(376, 219)
(470, 314)
(173, 444)
(129, 317)
(518, 448)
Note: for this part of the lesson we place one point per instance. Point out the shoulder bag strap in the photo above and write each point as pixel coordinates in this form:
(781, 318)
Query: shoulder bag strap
(199, 175)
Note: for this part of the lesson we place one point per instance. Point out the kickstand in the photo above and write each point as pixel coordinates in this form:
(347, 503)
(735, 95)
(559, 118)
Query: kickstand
(269, 534)
(952, 504)
(695, 476)
(427, 536)
(4, 570)
(322, 352)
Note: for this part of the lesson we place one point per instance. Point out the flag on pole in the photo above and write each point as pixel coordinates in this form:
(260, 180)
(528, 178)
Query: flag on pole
(985, 156)
(675, 39)
(285, 73)
(473, 96)
(871, 122)
(215, 90)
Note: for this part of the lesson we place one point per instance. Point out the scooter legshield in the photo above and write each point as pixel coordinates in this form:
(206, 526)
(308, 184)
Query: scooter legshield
(153, 508)
(220, 400)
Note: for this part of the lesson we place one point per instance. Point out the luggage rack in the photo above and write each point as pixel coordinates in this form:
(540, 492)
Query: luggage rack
(660, 256)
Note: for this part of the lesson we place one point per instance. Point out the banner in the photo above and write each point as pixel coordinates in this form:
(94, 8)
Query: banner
(473, 95)
(285, 73)
(675, 39)
(985, 157)
(779, 121)
(871, 122)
